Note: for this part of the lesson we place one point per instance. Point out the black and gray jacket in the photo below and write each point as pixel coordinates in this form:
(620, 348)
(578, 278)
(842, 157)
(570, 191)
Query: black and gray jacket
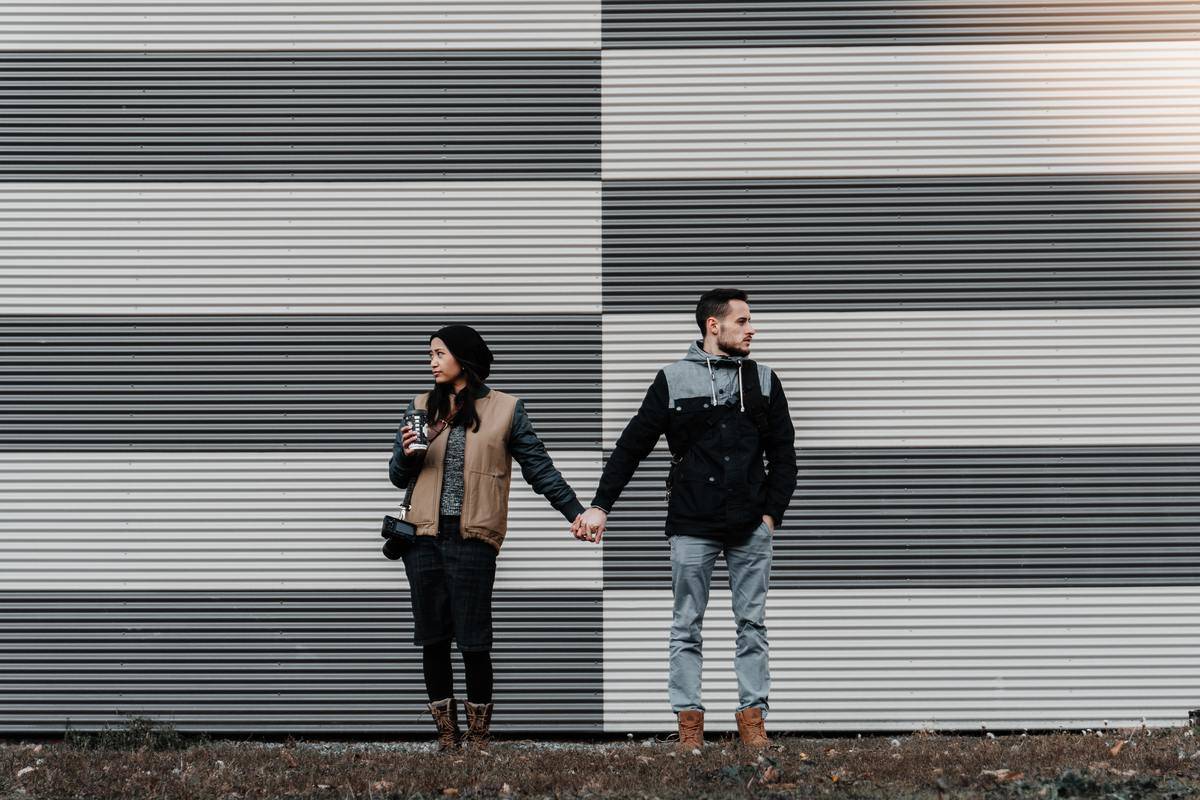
(721, 489)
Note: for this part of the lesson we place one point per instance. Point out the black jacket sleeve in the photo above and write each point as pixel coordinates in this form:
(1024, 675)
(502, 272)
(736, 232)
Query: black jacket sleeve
(635, 443)
(402, 467)
(781, 454)
(537, 468)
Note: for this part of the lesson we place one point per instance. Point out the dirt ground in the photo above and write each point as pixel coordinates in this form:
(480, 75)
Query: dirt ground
(155, 763)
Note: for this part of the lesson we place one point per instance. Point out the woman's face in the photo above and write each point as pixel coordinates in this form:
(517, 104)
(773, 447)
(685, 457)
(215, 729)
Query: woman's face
(445, 367)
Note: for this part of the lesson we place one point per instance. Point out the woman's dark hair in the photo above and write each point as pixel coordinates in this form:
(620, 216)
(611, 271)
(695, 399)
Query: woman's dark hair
(443, 393)
(715, 303)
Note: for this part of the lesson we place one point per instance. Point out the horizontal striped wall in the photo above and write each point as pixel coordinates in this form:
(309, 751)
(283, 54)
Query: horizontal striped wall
(709, 23)
(889, 111)
(303, 521)
(104, 25)
(953, 242)
(281, 662)
(969, 234)
(1036, 447)
(970, 246)
(317, 115)
(411, 248)
(912, 517)
(1025, 377)
(897, 660)
(271, 382)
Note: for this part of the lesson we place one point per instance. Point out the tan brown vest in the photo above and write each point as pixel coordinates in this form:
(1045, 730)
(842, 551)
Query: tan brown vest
(487, 473)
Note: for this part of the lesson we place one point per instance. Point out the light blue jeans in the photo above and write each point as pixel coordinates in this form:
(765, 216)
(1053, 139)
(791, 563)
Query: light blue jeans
(749, 563)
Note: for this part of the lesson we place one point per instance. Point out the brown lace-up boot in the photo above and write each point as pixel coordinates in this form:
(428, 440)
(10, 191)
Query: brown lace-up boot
(691, 730)
(479, 723)
(751, 728)
(445, 716)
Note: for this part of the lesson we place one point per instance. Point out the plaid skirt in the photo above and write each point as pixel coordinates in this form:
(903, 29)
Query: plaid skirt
(450, 580)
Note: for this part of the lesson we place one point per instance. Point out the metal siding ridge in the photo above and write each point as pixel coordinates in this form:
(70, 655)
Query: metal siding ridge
(140, 652)
(915, 363)
(643, 24)
(284, 381)
(462, 100)
(898, 659)
(678, 114)
(115, 25)
(475, 249)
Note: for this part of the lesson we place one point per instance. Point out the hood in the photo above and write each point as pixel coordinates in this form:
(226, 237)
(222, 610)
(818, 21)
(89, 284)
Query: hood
(697, 355)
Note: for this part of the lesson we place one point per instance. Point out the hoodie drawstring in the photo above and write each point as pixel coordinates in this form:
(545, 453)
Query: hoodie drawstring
(712, 379)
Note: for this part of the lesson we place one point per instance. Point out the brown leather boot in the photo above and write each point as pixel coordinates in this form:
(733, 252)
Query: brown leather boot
(691, 730)
(751, 728)
(479, 723)
(445, 716)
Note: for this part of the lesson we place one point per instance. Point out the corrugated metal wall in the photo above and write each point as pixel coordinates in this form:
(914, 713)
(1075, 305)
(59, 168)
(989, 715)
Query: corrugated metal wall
(970, 235)
(227, 233)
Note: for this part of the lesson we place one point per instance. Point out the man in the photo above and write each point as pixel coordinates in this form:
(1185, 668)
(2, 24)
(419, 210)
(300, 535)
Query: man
(722, 414)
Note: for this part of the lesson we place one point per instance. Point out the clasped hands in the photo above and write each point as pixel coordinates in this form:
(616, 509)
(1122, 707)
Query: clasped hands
(590, 525)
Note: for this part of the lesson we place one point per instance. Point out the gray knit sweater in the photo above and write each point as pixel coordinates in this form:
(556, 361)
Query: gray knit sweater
(452, 473)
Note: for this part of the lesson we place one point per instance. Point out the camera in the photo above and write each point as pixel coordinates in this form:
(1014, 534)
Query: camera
(399, 534)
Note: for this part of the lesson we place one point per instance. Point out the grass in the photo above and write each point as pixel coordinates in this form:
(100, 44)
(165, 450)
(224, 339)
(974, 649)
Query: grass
(136, 733)
(150, 761)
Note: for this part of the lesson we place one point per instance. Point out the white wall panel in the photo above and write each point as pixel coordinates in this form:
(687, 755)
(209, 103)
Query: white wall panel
(902, 659)
(949, 378)
(851, 111)
(202, 24)
(294, 521)
(472, 247)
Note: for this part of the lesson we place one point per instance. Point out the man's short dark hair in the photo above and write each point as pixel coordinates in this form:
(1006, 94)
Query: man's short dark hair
(715, 303)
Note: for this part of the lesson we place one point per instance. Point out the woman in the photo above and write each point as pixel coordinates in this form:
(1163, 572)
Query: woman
(460, 509)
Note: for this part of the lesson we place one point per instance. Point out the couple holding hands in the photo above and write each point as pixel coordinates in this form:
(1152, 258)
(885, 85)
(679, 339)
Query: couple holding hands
(733, 472)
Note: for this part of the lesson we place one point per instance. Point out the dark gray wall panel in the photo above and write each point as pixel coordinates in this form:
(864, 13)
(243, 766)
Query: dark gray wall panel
(712, 23)
(328, 115)
(951, 517)
(266, 382)
(286, 662)
(854, 244)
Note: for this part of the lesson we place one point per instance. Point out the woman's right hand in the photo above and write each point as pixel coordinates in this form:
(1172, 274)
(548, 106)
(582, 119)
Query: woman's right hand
(409, 438)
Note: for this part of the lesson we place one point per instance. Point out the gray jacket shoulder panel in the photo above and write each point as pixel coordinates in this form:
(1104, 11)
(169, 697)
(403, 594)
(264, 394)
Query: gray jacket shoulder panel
(691, 379)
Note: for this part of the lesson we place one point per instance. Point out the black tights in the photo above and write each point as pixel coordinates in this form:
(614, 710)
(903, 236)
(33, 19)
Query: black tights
(439, 675)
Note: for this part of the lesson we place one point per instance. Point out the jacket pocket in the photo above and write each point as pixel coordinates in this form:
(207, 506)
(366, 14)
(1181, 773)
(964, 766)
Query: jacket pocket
(693, 496)
(489, 508)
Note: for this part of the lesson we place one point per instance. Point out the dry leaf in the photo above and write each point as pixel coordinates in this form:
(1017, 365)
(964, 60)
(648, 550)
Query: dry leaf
(1003, 775)
(1116, 748)
(450, 792)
